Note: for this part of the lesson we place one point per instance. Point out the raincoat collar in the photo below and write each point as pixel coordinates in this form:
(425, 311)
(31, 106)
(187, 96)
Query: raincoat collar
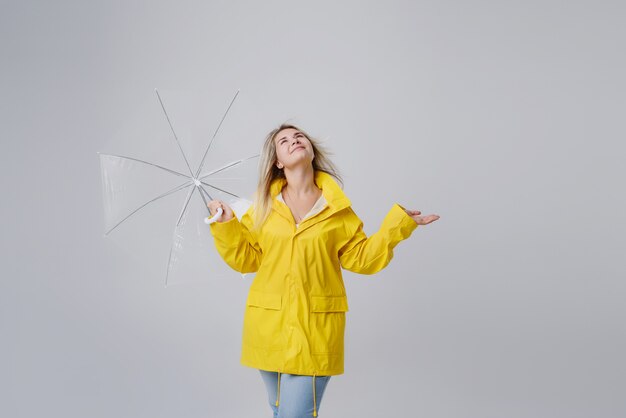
(335, 198)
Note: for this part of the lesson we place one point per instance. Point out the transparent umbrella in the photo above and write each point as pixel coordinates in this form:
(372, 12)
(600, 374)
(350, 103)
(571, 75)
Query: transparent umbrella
(225, 171)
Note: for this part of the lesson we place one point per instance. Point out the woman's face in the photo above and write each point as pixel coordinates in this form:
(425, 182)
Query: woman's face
(292, 149)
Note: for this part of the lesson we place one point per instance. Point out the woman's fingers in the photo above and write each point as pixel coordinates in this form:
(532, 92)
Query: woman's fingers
(425, 220)
(214, 205)
(421, 220)
(211, 206)
(227, 211)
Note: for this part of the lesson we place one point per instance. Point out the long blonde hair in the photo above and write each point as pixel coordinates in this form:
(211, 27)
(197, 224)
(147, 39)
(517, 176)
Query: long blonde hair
(268, 171)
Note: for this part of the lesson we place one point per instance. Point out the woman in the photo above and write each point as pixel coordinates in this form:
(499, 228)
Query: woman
(297, 236)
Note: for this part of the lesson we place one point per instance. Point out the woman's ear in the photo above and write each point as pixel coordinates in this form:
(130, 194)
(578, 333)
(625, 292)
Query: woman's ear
(279, 165)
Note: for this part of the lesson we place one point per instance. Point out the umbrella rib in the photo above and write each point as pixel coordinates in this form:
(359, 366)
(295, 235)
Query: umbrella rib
(221, 190)
(169, 260)
(175, 136)
(206, 203)
(182, 186)
(203, 190)
(146, 162)
(169, 263)
(227, 166)
(214, 135)
(182, 212)
(226, 178)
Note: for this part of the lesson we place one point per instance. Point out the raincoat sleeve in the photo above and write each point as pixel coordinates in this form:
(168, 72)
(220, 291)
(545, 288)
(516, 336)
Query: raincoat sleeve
(238, 246)
(370, 255)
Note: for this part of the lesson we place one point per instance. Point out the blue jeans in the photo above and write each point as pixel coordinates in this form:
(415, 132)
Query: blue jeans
(296, 397)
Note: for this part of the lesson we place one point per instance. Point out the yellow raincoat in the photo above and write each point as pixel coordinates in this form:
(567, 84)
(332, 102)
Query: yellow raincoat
(294, 318)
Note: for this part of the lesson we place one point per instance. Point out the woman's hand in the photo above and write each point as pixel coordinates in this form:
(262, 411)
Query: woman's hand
(227, 214)
(421, 220)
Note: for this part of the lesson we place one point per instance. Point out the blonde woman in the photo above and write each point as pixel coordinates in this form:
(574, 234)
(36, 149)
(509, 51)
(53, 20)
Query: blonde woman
(297, 236)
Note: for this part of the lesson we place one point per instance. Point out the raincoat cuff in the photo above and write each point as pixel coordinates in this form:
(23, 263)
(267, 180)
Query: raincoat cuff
(226, 231)
(397, 218)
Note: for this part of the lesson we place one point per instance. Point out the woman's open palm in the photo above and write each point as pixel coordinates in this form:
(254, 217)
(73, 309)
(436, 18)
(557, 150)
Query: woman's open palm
(421, 220)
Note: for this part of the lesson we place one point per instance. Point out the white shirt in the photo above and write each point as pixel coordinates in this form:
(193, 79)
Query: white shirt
(317, 207)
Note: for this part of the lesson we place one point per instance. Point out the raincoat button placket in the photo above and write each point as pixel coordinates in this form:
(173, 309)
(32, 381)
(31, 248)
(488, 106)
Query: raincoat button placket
(290, 285)
(292, 288)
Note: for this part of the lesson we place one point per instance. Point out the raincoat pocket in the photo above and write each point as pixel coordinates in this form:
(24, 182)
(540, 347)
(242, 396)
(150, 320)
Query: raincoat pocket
(264, 300)
(329, 304)
(263, 320)
(328, 321)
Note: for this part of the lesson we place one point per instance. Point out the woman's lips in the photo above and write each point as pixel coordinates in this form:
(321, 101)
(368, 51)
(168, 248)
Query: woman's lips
(295, 149)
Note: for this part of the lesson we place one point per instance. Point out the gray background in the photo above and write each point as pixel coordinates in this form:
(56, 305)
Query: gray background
(505, 118)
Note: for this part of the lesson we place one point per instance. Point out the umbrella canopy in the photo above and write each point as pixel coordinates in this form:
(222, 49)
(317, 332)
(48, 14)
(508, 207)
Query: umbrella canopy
(210, 164)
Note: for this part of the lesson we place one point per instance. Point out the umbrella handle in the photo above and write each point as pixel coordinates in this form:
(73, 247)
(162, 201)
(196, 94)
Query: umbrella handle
(215, 217)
